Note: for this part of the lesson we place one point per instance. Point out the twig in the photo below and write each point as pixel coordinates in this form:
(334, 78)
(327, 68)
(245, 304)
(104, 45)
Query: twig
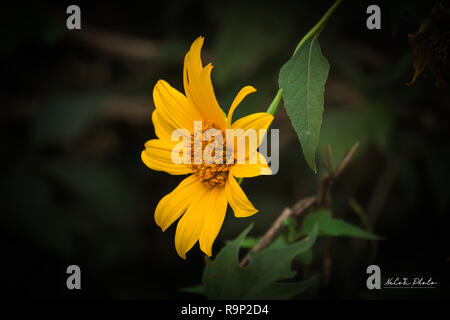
(330, 177)
(361, 214)
(346, 160)
(380, 194)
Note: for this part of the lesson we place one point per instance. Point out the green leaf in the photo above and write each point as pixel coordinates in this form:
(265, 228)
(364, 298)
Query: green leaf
(249, 242)
(280, 241)
(305, 257)
(292, 228)
(329, 226)
(224, 278)
(302, 80)
(65, 118)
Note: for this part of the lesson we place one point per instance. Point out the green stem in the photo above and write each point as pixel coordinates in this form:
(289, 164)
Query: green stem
(319, 24)
(275, 103)
(317, 28)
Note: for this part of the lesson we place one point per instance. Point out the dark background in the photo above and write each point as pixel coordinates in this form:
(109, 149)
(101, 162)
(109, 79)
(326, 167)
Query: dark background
(76, 111)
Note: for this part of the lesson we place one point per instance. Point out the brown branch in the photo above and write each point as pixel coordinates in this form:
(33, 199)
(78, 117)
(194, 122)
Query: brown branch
(346, 160)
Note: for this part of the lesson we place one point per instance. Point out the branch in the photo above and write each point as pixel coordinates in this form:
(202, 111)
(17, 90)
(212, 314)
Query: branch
(346, 160)
(330, 177)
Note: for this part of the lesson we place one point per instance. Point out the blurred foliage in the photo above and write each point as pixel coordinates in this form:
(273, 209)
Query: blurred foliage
(343, 127)
(64, 119)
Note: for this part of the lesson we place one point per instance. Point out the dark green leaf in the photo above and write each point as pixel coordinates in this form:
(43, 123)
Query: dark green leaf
(292, 228)
(305, 257)
(302, 80)
(249, 242)
(224, 278)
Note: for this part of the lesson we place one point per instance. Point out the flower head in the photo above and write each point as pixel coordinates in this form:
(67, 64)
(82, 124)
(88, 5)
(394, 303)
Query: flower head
(201, 199)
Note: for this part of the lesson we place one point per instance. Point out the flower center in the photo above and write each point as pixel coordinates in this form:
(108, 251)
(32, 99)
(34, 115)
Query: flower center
(210, 174)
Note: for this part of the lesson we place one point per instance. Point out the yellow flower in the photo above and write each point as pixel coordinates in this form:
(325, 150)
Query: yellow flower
(201, 200)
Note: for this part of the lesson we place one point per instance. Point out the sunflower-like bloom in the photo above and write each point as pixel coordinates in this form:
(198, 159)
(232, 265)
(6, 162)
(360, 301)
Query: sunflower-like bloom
(201, 199)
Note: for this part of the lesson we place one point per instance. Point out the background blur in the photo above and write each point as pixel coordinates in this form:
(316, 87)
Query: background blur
(76, 111)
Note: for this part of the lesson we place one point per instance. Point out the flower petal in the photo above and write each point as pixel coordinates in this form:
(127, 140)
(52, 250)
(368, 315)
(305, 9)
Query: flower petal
(158, 156)
(173, 205)
(237, 199)
(198, 86)
(256, 121)
(191, 223)
(243, 128)
(248, 170)
(174, 108)
(213, 220)
(237, 100)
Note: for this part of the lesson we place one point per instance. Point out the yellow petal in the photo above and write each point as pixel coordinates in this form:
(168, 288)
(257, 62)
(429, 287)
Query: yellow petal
(213, 220)
(237, 100)
(173, 205)
(158, 156)
(198, 86)
(237, 199)
(248, 170)
(256, 121)
(191, 223)
(163, 129)
(193, 63)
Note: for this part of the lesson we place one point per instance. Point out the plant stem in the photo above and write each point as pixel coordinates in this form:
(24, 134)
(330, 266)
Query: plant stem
(275, 103)
(316, 29)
